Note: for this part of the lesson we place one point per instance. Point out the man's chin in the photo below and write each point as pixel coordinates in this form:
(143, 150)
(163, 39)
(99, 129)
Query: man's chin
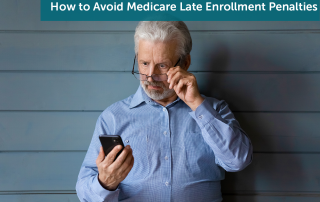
(154, 93)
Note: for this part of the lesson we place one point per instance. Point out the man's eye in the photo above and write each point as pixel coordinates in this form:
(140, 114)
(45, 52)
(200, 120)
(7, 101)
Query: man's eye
(163, 66)
(144, 63)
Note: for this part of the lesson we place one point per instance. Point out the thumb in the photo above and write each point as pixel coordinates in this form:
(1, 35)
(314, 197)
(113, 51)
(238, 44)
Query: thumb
(101, 156)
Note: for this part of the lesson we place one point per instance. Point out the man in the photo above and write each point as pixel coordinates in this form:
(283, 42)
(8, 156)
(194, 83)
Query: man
(177, 142)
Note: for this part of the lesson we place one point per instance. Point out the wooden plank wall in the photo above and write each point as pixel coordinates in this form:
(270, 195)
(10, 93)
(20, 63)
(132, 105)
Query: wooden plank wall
(57, 77)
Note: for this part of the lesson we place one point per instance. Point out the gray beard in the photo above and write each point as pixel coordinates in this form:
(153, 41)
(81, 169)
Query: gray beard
(155, 94)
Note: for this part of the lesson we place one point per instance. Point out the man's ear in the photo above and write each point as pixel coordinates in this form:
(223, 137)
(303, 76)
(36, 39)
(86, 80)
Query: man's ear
(187, 62)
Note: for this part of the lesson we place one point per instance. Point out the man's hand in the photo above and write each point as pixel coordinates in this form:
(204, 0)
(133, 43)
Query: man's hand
(112, 173)
(185, 85)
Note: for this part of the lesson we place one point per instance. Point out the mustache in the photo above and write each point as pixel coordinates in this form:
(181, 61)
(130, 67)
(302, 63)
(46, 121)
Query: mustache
(154, 83)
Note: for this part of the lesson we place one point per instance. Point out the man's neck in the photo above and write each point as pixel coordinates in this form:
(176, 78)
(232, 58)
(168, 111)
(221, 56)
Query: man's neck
(166, 101)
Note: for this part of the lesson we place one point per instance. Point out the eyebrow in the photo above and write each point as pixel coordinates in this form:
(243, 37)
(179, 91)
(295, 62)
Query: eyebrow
(166, 61)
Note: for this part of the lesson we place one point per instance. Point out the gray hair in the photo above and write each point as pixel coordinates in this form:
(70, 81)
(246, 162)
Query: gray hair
(165, 31)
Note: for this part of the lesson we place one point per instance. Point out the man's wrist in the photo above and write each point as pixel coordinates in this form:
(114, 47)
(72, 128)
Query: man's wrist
(107, 187)
(98, 189)
(196, 103)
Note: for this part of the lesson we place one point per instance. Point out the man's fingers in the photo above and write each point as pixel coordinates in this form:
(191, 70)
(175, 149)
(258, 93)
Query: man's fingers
(124, 174)
(172, 71)
(180, 85)
(128, 169)
(122, 157)
(112, 155)
(125, 164)
(100, 156)
(175, 79)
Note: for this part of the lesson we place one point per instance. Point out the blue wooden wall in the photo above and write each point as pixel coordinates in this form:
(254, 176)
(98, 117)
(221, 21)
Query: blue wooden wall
(57, 77)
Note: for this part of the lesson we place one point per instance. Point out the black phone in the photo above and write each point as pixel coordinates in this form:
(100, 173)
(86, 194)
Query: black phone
(108, 142)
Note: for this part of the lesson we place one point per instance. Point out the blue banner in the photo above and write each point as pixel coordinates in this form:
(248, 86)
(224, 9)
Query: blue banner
(218, 10)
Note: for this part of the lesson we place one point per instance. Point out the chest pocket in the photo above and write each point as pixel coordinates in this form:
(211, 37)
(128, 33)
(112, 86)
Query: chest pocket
(138, 144)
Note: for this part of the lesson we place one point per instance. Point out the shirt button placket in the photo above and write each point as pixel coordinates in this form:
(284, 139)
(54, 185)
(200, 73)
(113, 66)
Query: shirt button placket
(167, 152)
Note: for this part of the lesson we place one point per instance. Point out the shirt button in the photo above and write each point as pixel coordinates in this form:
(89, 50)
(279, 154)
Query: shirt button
(167, 183)
(166, 158)
(164, 109)
(200, 117)
(165, 132)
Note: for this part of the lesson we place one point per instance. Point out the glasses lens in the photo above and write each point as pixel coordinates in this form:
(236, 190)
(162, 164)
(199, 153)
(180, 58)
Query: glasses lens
(141, 77)
(159, 77)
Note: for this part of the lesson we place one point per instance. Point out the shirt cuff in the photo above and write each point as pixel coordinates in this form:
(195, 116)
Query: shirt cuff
(204, 113)
(104, 193)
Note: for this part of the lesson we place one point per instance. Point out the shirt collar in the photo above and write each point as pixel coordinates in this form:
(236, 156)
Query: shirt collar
(141, 96)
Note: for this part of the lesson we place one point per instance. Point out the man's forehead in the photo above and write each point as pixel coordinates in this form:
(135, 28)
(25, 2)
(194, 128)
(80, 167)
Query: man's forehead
(156, 50)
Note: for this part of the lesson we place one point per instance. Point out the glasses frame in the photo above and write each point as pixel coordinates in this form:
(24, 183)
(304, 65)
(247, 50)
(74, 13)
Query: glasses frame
(133, 72)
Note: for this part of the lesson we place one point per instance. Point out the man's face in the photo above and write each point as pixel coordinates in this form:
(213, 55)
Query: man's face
(156, 58)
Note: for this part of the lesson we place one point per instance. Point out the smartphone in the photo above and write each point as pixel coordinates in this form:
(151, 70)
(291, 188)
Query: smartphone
(108, 142)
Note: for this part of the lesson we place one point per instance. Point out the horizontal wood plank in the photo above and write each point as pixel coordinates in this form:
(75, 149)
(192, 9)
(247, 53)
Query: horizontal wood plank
(96, 91)
(257, 198)
(226, 198)
(68, 131)
(297, 173)
(39, 198)
(282, 132)
(212, 51)
(23, 131)
(24, 15)
(40, 171)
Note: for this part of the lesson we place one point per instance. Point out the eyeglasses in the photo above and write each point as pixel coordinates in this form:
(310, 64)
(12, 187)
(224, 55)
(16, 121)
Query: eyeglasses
(144, 77)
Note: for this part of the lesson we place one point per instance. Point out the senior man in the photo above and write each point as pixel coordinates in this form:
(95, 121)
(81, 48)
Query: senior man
(177, 142)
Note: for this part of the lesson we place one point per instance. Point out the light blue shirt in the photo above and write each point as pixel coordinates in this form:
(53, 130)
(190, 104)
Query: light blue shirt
(179, 154)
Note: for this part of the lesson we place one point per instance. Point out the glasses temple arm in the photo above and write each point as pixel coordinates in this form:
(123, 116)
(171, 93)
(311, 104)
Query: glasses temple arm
(177, 62)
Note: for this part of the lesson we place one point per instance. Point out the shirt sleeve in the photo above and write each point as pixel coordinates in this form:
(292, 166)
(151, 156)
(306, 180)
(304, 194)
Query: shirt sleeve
(222, 132)
(88, 186)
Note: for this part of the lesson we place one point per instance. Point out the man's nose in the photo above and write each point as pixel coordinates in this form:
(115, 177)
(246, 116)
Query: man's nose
(151, 71)
(150, 79)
